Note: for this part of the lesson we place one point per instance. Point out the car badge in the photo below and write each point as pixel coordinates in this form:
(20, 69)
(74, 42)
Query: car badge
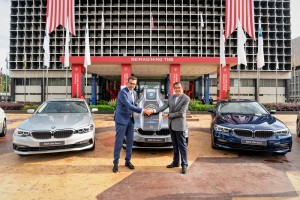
(253, 126)
(53, 127)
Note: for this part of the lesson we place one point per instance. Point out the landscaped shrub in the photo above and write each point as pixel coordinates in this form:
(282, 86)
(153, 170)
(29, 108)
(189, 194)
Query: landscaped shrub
(102, 102)
(102, 107)
(282, 106)
(113, 103)
(196, 105)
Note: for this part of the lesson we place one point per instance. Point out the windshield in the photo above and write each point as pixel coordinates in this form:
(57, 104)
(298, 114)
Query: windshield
(241, 108)
(63, 107)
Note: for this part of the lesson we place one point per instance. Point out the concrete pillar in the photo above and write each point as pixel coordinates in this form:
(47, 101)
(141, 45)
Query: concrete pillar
(94, 89)
(206, 88)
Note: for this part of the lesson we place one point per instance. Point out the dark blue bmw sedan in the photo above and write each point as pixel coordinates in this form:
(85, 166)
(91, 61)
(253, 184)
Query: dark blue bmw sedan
(247, 125)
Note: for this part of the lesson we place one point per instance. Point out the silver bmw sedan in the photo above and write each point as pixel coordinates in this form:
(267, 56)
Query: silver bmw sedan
(58, 125)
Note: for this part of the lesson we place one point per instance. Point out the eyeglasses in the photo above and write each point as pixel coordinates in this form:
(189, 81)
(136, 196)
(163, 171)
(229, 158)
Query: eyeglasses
(132, 83)
(177, 88)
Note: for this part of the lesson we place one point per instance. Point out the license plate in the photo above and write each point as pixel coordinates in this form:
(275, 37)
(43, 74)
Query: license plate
(254, 142)
(155, 140)
(50, 144)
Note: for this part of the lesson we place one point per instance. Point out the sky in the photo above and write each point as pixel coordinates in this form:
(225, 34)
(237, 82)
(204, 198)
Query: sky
(5, 20)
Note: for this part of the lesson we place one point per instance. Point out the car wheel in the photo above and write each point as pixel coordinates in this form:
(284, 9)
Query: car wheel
(298, 128)
(213, 145)
(4, 129)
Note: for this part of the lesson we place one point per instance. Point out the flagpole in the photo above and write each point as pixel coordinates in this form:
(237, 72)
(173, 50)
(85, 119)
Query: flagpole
(47, 81)
(276, 77)
(151, 35)
(66, 82)
(294, 85)
(6, 79)
(201, 34)
(25, 86)
(102, 27)
(239, 65)
(43, 97)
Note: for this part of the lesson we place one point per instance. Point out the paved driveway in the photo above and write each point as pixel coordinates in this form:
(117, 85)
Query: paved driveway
(212, 174)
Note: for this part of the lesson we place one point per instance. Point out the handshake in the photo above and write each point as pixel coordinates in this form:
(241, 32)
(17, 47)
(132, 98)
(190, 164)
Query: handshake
(148, 112)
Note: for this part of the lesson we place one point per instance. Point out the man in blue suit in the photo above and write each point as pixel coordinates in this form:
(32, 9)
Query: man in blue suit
(126, 106)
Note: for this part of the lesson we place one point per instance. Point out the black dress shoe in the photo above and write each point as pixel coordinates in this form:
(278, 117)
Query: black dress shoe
(172, 165)
(129, 165)
(115, 169)
(184, 169)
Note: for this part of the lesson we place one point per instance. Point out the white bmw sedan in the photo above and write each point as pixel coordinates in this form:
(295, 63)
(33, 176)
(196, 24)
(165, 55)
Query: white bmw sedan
(58, 125)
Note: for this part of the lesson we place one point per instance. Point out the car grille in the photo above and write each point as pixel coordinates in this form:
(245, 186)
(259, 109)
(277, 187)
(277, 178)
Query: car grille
(243, 133)
(160, 132)
(41, 134)
(63, 133)
(255, 134)
(49, 134)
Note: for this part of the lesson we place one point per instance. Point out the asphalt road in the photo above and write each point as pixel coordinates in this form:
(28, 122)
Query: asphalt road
(212, 174)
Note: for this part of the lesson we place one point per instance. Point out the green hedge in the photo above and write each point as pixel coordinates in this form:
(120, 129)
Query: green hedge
(103, 107)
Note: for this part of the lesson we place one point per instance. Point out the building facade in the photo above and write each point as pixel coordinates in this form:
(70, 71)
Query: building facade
(177, 33)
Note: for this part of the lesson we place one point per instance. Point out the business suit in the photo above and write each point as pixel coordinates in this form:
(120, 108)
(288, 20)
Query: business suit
(124, 120)
(177, 125)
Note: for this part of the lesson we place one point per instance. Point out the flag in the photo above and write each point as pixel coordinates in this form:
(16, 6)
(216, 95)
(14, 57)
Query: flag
(294, 62)
(67, 40)
(102, 21)
(260, 51)
(57, 13)
(151, 21)
(87, 56)
(6, 60)
(201, 21)
(241, 42)
(46, 48)
(242, 10)
(222, 45)
(25, 61)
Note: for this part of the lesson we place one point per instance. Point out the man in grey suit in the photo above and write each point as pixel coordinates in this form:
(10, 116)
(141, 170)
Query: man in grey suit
(178, 105)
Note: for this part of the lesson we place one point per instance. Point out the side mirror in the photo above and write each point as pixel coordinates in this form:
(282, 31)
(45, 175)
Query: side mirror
(211, 110)
(30, 111)
(272, 111)
(94, 110)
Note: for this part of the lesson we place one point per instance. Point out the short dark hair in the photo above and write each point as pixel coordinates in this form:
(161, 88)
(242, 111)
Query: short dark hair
(132, 78)
(177, 83)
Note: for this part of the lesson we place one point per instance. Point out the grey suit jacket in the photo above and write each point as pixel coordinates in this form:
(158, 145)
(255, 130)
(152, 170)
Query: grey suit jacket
(177, 112)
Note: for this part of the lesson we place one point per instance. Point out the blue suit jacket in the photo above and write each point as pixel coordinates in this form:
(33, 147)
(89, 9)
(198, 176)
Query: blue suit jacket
(126, 107)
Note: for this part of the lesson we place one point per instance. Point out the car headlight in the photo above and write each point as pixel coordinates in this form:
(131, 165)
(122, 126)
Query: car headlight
(222, 128)
(283, 132)
(22, 133)
(85, 129)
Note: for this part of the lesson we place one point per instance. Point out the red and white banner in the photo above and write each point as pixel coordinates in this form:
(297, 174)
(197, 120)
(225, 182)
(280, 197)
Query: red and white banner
(242, 10)
(58, 11)
(223, 81)
(174, 76)
(125, 74)
(77, 75)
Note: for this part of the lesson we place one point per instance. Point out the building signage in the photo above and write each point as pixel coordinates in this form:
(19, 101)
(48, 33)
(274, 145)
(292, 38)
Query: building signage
(151, 59)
